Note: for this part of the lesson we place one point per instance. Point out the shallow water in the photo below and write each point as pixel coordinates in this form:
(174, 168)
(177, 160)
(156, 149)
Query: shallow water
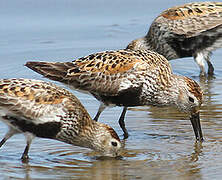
(161, 143)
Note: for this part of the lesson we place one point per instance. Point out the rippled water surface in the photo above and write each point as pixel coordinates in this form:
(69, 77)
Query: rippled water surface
(161, 143)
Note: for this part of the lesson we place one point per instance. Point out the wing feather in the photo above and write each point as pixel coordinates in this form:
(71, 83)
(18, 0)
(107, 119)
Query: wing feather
(193, 18)
(32, 100)
(105, 72)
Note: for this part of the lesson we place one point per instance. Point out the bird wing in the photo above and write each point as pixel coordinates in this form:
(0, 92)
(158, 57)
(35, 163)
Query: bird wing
(105, 73)
(193, 18)
(33, 100)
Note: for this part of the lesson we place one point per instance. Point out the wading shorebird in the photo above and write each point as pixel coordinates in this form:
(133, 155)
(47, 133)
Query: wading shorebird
(41, 109)
(193, 29)
(127, 78)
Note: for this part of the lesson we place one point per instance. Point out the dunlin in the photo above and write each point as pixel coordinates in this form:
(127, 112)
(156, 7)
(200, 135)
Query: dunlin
(128, 78)
(191, 30)
(41, 109)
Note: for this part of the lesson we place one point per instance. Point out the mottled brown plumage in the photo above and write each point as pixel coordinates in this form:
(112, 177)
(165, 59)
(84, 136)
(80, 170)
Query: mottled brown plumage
(42, 109)
(193, 29)
(126, 78)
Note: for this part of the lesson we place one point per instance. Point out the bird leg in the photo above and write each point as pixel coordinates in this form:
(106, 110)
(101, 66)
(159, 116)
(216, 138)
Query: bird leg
(8, 135)
(122, 123)
(210, 68)
(100, 110)
(199, 58)
(25, 156)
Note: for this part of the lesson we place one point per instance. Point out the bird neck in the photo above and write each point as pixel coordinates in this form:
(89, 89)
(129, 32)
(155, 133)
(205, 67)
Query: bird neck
(156, 40)
(81, 134)
(165, 94)
(142, 44)
(173, 91)
(88, 135)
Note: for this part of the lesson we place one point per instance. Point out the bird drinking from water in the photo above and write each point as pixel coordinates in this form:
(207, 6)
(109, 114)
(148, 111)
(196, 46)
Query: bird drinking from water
(128, 78)
(190, 30)
(42, 109)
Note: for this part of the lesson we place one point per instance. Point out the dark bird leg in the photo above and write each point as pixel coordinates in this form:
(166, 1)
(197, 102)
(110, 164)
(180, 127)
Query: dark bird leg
(100, 110)
(210, 67)
(122, 123)
(8, 135)
(25, 156)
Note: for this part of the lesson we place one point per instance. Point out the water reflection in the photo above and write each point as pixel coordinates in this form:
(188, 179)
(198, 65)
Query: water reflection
(197, 151)
(153, 166)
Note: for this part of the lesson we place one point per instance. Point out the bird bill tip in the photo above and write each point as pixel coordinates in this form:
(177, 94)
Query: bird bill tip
(195, 121)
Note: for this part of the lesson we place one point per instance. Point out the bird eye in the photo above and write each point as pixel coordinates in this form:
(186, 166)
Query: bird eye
(114, 143)
(191, 99)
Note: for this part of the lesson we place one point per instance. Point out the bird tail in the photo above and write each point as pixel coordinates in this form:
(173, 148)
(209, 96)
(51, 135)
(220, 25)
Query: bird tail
(56, 71)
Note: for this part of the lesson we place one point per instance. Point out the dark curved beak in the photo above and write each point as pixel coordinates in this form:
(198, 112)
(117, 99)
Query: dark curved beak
(195, 121)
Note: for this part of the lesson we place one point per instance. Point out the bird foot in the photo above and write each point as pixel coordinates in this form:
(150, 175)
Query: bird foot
(25, 158)
(210, 72)
(125, 135)
(203, 74)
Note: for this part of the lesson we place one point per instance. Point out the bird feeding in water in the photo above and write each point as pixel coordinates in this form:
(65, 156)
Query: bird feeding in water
(190, 30)
(41, 109)
(128, 78)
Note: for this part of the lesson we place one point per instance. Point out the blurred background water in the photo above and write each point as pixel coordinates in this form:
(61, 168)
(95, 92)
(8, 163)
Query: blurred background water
(161, 143)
